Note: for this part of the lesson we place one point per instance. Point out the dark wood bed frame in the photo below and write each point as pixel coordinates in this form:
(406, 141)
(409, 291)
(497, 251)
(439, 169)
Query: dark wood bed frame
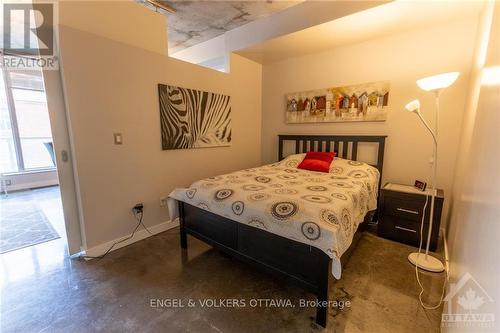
(303, 264)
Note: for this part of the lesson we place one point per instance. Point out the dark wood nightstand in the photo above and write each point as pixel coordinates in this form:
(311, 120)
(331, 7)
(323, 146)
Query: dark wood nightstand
(400, 214)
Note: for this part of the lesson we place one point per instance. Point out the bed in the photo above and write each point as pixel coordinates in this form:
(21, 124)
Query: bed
(296, 224)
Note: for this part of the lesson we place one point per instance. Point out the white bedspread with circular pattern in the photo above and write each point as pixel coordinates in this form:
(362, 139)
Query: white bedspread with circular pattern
(319, 209)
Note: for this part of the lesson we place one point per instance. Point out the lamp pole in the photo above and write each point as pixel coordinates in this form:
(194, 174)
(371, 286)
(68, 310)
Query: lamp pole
(428, 262)
(434, 174)
(436, 84)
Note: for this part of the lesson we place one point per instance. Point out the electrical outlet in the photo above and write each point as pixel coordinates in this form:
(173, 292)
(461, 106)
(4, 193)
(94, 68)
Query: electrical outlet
(138, 208)
(163, 202)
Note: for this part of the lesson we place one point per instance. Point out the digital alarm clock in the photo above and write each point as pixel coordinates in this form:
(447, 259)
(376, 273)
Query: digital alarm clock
(420, 185)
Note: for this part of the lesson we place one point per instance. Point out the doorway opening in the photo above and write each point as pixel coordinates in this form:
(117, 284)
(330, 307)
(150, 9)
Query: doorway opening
(31, 211)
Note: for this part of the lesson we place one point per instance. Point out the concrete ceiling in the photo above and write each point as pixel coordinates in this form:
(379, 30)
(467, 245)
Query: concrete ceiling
(198, 21)
(384, 20)
(299, 17)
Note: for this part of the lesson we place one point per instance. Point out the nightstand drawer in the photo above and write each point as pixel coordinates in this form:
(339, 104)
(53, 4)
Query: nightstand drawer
(407, 226)
(401, 230)
(405, 209)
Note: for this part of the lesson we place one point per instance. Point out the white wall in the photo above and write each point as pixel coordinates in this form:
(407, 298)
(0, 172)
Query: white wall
(121, 20)
(402, 59)
(112, 87)
(474, 229)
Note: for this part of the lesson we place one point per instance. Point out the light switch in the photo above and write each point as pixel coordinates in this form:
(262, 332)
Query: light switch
(118, 138)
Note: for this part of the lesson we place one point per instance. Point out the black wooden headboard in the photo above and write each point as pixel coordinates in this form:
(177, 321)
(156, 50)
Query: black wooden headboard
(305, 143)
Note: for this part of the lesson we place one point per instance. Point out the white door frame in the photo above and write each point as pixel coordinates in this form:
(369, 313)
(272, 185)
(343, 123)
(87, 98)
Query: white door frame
(65, 166)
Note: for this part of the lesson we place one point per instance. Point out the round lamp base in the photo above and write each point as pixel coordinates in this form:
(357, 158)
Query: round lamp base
(428, 263)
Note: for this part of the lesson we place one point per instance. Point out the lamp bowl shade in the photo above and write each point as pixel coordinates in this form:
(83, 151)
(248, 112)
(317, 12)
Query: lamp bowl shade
(490, 76)
(413, 106)
(437, 82)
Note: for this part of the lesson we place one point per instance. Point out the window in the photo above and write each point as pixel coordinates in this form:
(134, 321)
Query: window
(8, 162)
(25, 135)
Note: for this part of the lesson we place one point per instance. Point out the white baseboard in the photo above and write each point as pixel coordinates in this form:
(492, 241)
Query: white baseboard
(34, 184)
(446, 253)
(139, 235)
(29, 179)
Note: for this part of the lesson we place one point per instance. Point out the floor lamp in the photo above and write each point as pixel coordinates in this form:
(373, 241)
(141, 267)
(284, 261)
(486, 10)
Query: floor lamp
(435, 84)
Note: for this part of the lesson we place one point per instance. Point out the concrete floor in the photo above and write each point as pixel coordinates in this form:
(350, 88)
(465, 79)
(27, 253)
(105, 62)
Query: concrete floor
(45, 291)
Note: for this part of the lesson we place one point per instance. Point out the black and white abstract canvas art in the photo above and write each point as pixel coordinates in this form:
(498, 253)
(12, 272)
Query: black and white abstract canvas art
(193, 118)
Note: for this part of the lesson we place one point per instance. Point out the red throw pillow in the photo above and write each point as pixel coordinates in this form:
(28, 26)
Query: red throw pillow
(317, 161)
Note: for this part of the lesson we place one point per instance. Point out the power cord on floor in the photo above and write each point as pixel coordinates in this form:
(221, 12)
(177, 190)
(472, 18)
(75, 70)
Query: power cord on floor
(422, 290)
(139, 223)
